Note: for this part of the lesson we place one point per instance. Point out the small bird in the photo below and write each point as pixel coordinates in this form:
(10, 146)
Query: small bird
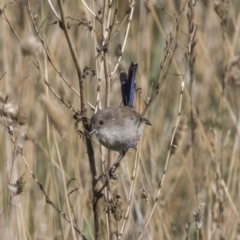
(118, 128)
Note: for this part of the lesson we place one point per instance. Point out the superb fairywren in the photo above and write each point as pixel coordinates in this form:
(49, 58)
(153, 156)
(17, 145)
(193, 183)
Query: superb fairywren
(120, 128)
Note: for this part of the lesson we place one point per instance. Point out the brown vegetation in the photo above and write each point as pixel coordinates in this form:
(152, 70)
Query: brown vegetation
(61, 60)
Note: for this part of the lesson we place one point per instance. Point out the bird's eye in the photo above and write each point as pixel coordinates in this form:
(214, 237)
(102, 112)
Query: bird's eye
(101, 122)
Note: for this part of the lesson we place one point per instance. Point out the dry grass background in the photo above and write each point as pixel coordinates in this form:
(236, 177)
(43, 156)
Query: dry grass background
(174, 42)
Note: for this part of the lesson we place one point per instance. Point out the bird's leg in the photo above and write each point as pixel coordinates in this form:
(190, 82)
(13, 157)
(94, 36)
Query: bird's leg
(112, 170)
(116, 164)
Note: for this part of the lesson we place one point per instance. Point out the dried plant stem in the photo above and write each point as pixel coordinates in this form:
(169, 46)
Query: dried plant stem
(191, 14)
(41, 186)
(53, 9)
(169, 56)
(172, 138)
(64, 186)
(105, 30)
(75, 59)
(234, 208)
(197, 234)
(71, 107)
(16, 35)
(132, 4)
(133, 181)
(89, 9)
(131, 193)
(234, 151)
(95, 62)
(112, 36)
(217, 171)
(45, 81)
(47, 52)
(84, 121)
(49, 142)
(22, 220)
(105, 26)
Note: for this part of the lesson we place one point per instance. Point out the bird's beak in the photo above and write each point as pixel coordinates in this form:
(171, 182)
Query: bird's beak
(93, 131)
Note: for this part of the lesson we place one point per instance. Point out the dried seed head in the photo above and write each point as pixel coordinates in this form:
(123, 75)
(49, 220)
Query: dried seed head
(145, 193)
(115, 206)
(198, 215)
(221, 9)
(233, 71)
(11, 112)
(18, 187)
(232, 80)
(118, 211)
(55, 114)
